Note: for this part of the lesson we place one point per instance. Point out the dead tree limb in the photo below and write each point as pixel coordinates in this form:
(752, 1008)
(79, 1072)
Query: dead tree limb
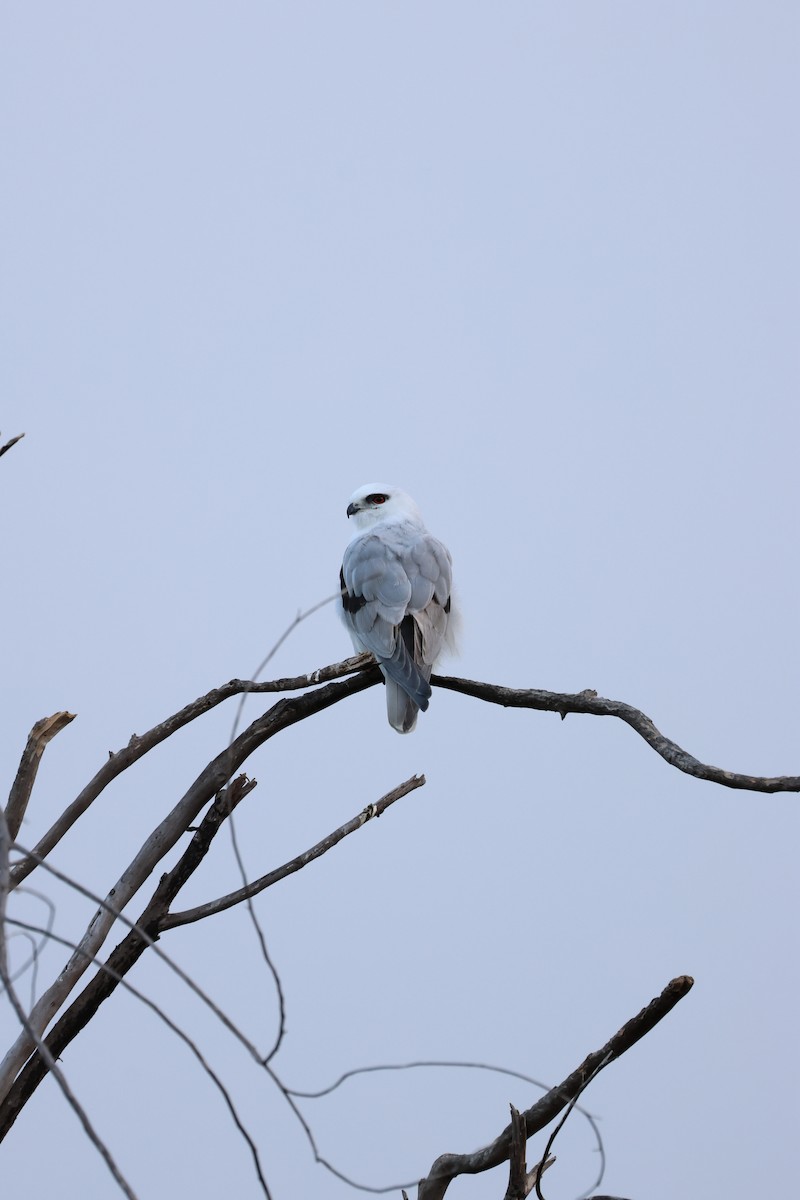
(137, 747)
(590, 703)
(212, 779)
(178, 1032)
(43, 732)
(319, 690)
(148, 928)
(11, 442)
(521, 1181)
(448, 1166)
(171, 920)
(54, 1069)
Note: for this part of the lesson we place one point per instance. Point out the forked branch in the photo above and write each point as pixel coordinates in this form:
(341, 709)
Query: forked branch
(153, 920)
(521, 1181)
(320, 689)
(448, 1166)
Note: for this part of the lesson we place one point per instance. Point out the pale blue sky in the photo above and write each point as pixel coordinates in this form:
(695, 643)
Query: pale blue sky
(538, 264)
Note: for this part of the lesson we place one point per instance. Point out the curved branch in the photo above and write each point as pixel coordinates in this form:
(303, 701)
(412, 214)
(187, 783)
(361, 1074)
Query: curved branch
(448, 1166)
(360, 668)
(589, 702)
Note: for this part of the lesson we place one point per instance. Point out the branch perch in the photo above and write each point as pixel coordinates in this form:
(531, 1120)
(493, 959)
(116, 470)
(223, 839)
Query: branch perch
(589, 702)
(138, 747)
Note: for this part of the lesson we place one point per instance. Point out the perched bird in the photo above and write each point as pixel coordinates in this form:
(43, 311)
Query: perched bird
(396, 602)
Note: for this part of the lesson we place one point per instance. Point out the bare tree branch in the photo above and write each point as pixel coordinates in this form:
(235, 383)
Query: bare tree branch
(586, 702)
(137, 747)
(122, 958)
(294, 864)
(327, 686)
(11, 442)
(5, 847)
(181, 1034)
(142, 934)
(32, 963)
(589, 702)
(449, 1064)
(43, 732)
(185, 978)
(554, 1134)
(448, 1166)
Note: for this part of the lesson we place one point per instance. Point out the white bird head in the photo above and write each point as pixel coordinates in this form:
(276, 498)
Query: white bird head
(374, 502)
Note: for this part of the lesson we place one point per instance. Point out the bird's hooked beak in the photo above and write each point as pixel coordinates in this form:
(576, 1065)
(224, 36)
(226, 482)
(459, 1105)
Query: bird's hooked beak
(352, 508)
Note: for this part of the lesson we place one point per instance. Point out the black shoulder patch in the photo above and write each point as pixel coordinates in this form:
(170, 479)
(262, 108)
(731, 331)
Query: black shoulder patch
(350, 604)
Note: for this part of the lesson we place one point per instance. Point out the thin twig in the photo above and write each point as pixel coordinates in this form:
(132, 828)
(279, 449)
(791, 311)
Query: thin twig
(545, 1156)
(237, 853)
(214, 777)
(32, 963)
(438, 1063)
(69, 1095)
(292, 685)
(130, 949)
(262, 945)
(18, 1096)
(151, 943)
(174, 1028)
(294, 864)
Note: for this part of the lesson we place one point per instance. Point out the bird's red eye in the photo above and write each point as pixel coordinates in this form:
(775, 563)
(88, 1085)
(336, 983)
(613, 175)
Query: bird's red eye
(377, 498)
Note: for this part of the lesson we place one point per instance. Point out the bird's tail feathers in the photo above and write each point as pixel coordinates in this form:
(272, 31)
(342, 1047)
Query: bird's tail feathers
(407, 684)
(400, 708)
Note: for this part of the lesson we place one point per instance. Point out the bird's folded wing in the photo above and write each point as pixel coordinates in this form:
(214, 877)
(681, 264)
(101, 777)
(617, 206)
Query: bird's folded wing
(397, 576)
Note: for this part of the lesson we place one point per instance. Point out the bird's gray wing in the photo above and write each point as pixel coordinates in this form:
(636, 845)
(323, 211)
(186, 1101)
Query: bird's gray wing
(396, 587)
(431, 578)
